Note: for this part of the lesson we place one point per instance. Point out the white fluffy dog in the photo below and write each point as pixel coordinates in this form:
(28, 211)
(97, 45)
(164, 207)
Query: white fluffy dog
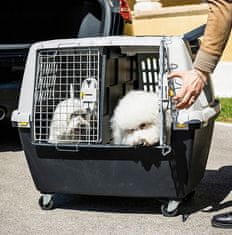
(69, 121)
(136, 119)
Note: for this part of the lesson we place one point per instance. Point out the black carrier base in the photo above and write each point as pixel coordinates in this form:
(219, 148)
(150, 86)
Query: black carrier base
(120, 171)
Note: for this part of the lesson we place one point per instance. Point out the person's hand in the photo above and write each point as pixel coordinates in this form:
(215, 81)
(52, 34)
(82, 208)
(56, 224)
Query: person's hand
(193, 83)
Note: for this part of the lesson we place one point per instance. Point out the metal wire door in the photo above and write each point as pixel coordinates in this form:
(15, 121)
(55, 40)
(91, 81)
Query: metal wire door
(66, 110)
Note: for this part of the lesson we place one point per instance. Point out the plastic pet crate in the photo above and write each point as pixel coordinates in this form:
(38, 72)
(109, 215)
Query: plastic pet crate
(87, 162)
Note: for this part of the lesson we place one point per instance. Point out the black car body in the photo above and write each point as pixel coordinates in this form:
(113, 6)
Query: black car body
(24, 23)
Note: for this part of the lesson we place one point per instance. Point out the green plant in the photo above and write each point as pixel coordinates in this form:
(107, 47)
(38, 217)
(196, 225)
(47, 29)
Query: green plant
(226, 110)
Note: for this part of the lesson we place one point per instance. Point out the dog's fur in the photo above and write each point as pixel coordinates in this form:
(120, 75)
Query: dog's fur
(136, 119)
(69, 120)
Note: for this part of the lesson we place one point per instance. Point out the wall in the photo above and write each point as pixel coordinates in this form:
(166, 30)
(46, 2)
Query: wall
(173, 21)
(176, 21)
(166, 3)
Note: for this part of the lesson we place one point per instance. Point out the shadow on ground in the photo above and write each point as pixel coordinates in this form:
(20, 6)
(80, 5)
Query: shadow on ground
(211, 192)
(9, 138)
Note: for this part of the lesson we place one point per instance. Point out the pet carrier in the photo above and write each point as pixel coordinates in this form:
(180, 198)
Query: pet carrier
(77, 83)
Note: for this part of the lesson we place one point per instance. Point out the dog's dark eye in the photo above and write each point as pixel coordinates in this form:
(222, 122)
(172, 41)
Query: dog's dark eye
(143, 126)
(84, 115)
(75, 114)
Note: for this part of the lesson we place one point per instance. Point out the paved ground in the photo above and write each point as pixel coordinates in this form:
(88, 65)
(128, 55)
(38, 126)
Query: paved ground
(20, 213)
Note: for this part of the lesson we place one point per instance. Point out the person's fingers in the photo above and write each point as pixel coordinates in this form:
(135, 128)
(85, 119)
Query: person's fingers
(190, 89)
(185, 101)
(180, 95)
(191, 101)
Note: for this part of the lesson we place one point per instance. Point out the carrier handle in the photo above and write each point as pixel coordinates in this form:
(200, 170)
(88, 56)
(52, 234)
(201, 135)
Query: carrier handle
(194, 34)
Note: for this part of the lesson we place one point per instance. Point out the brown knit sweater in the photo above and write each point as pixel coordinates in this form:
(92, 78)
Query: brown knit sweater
(217, 32)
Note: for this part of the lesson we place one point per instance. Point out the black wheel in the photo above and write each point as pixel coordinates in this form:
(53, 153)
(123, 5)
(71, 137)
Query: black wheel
(166, 213)
(46, 206)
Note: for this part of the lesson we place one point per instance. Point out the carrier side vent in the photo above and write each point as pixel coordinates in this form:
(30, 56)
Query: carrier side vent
(148, 72)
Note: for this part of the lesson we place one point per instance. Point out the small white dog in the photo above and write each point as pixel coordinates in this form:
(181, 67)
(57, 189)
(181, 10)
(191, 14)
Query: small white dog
(70, 120)
(136, 119)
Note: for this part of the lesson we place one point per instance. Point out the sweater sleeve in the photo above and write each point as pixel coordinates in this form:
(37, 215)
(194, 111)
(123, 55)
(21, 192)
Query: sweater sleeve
(216, 35)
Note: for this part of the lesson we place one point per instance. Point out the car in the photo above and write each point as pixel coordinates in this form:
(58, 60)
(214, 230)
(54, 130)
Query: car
(24, 23)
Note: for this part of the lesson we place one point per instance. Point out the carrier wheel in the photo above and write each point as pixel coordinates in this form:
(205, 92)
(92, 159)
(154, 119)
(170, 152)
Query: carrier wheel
(170, 209)
(46, 202)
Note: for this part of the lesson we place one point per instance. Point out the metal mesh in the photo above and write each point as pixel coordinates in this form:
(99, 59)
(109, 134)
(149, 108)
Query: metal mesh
(66, 97)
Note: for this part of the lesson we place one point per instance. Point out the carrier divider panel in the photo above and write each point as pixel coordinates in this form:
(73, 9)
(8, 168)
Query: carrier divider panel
(60, 75)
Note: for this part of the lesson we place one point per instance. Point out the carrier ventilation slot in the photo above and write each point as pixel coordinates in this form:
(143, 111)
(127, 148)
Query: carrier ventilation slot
(148, 72)
(66, 97)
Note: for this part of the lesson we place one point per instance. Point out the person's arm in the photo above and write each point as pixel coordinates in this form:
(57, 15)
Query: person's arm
(216, 35)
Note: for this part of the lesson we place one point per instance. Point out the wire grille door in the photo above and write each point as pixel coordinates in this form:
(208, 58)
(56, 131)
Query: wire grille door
(66, 96)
